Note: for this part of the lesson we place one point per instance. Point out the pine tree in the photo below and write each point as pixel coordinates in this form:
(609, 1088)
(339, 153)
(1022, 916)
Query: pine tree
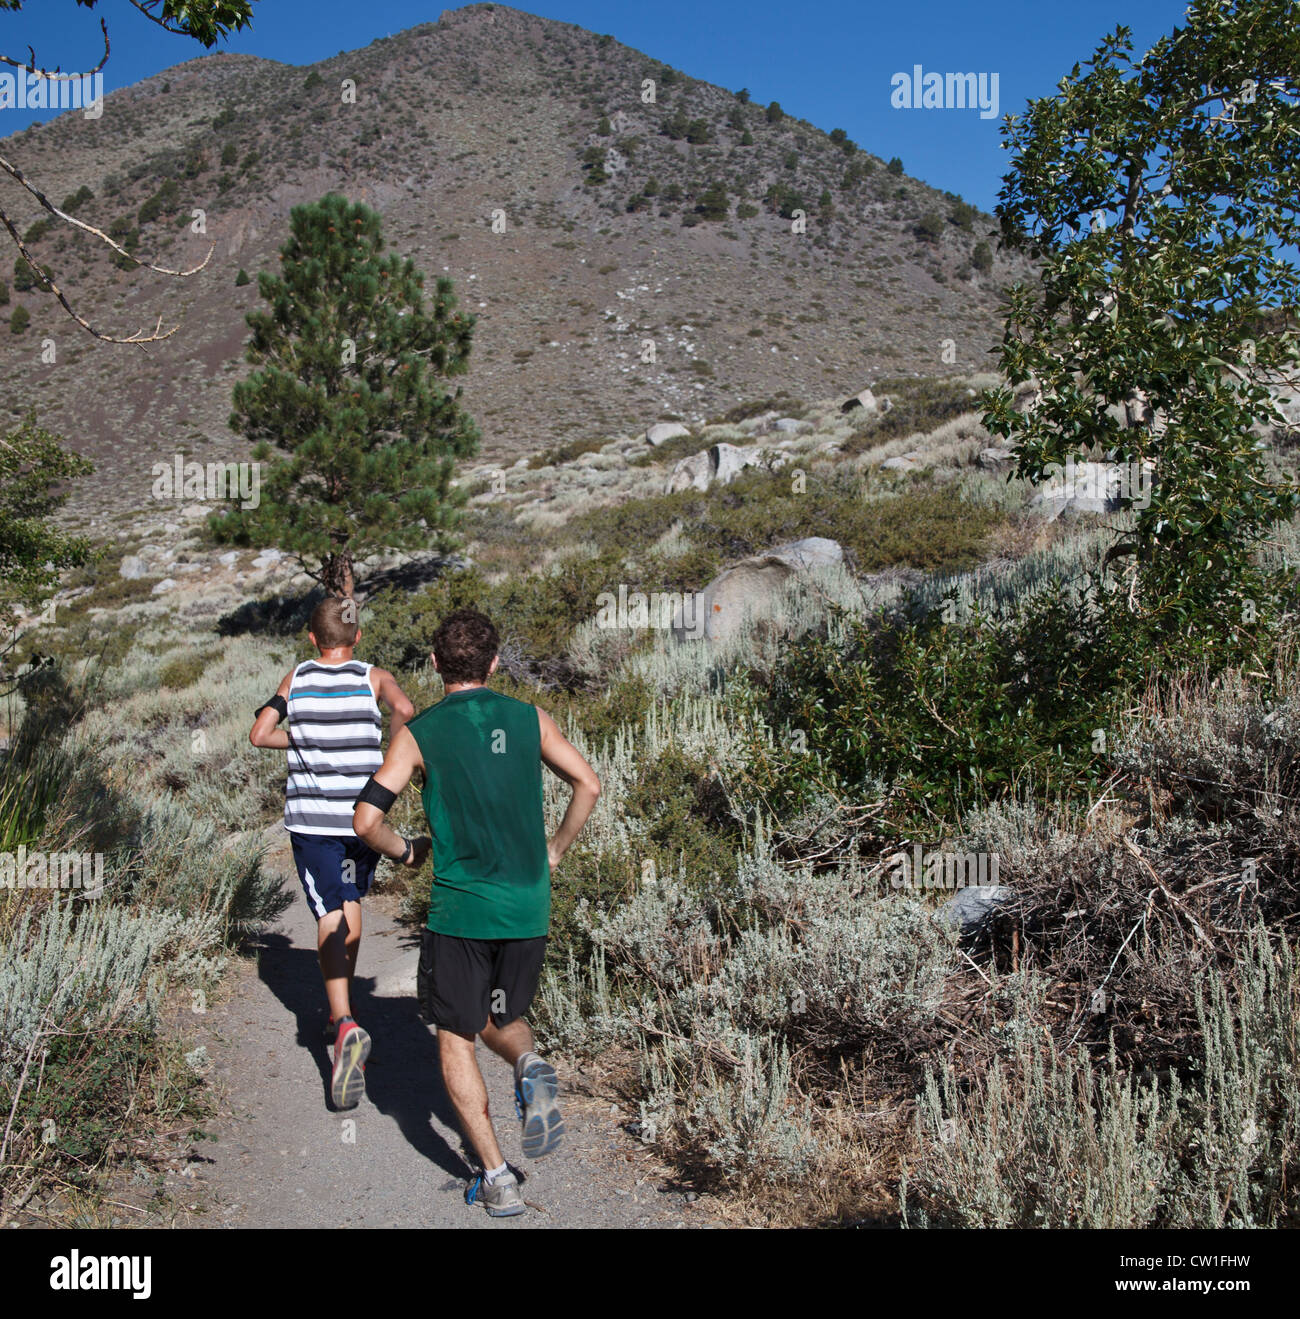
(350, 356)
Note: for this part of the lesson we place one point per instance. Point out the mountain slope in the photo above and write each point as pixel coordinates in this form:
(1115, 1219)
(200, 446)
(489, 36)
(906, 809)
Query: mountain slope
(490, 110)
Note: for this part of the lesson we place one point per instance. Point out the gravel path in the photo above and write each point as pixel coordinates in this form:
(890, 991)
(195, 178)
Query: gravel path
(282, 1158)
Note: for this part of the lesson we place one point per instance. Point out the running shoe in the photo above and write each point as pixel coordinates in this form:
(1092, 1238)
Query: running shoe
(500, 1198)
(536, 1087)
(351, 1050)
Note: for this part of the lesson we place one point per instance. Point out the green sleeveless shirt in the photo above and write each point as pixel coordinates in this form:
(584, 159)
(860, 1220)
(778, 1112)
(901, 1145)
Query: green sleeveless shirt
(483, 796)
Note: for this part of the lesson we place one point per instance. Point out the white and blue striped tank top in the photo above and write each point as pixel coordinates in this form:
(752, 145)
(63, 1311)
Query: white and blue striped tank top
(334, 745)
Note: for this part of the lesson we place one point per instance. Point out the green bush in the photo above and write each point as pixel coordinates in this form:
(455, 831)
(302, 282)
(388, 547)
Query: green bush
(949, 714)
(929, 228)
(28, 277)
(919, 405)
(183, 671)
(922, 528)
(19, 320)
(77, 199)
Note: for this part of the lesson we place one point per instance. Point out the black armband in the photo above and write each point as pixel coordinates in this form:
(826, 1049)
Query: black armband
(276, 703)
(376, 795)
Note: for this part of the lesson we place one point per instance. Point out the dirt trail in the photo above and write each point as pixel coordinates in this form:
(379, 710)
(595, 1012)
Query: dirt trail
(282, 1158)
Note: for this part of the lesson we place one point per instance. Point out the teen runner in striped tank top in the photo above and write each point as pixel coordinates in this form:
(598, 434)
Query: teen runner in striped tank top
(332, 746)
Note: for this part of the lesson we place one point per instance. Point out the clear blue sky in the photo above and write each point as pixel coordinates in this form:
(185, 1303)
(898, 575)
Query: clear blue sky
(829, 62)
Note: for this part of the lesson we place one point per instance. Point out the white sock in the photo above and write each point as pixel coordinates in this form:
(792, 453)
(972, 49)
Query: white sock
(490, 1175)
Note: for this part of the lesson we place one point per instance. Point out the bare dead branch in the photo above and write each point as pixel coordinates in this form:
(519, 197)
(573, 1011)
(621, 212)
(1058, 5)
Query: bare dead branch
(139, 337)
(56, 76)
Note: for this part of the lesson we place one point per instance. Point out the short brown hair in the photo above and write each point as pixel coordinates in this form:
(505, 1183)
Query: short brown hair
(464, 646)
(334, 622)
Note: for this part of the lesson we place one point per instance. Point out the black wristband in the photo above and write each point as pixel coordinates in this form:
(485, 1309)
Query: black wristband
(375, 794)
(410, 851)
(276, 703)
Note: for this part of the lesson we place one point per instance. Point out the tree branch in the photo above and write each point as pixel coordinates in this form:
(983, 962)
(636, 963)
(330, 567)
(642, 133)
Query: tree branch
(56, 76)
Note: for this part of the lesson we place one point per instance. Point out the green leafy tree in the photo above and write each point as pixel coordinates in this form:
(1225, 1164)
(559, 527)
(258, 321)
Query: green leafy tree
(895, 165)
(34, 473)
(1158, 197)
(351, 356)
(774, 113)
(20, 318)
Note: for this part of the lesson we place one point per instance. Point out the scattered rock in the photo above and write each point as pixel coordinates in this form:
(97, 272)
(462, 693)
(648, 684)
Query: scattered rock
(750, 586)
(903, 462)
(663, 431)
(787, 425)
(167, 584)
(1089, 488)
(994, 457)
(970, 908)
(865, 400)
(811, 552)
(729, 460)
(228, 559)
(721, 463)
(131, 567)
(693, 473)
(758, 425)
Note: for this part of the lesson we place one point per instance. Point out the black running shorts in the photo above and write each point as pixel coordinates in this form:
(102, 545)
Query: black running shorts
(460, 983)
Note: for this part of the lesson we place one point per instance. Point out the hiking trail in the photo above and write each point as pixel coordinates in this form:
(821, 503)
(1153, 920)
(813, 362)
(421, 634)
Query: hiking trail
(282, 1157)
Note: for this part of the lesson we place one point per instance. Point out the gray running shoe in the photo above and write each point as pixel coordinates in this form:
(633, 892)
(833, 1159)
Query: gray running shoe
(500, 1198)
(536, 1087)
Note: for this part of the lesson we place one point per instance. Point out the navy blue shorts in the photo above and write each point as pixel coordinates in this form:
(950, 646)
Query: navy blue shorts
(333, 868)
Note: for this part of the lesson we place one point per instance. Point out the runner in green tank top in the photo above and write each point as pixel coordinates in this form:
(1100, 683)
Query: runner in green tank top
(490, 900)
(483, 796)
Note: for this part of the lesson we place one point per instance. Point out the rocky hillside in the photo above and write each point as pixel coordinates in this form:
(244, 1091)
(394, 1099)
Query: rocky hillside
(623, 221)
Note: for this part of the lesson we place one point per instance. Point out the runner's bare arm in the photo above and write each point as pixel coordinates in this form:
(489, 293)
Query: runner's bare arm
(564, 759)
(368, 822)
(265, 731)
(387, 690)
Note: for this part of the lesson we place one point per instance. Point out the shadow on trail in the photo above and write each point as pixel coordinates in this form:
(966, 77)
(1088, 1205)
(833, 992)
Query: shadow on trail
(403, 1077)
